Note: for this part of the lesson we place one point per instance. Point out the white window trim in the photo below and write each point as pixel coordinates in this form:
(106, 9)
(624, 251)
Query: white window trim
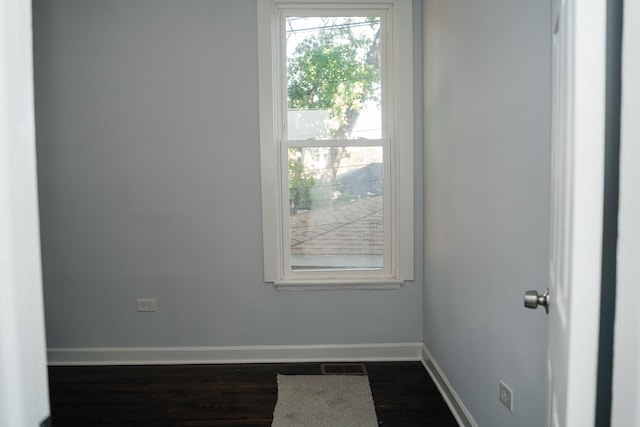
(400, 160)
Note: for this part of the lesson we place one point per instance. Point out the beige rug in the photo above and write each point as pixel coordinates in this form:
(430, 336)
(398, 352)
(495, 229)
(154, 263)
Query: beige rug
(324, 400)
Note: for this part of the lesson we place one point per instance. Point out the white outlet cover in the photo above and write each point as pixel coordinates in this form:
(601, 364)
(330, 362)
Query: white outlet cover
(506, 396)
(147, 305)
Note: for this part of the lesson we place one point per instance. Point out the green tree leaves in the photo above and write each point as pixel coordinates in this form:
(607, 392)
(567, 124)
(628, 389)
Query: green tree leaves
(334, 69)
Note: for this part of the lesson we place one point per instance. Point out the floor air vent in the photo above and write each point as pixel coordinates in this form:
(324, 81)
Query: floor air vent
(343, 369)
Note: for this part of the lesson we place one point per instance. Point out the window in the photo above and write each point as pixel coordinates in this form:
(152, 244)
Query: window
(336, 130)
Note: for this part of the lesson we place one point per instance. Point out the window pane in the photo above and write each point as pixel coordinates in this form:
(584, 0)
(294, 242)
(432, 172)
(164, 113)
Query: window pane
(333, 77)
(335, 207)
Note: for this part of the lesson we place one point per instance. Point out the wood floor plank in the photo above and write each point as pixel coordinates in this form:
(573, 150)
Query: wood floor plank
(223, 395)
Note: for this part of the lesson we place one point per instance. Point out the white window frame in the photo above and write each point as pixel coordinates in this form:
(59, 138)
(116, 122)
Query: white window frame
(398, 150)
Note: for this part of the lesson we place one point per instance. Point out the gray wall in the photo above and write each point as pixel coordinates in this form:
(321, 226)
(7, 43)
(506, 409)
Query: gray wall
(148, 161)
(487, 129)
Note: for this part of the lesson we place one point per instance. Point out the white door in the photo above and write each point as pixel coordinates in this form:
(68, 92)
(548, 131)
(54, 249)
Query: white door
(24, 399)
(578, 106)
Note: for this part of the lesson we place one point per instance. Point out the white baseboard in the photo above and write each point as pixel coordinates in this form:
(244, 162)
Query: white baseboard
(459, 411)
(233, 354)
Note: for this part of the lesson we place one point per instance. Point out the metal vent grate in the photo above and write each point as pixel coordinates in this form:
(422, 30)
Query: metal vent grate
(343, 369)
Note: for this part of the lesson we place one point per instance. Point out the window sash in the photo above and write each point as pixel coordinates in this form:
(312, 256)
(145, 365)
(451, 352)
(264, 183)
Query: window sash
(389, 225)
(337, 10)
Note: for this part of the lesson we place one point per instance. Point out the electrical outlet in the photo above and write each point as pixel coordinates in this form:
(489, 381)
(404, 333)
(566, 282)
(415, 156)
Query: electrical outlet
(146, 304)
(506, 396)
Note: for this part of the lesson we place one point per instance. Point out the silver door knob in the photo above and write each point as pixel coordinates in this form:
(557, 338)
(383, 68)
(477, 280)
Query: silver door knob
(532, 300)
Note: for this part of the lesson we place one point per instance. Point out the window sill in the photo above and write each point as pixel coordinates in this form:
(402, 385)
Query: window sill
(338, 284)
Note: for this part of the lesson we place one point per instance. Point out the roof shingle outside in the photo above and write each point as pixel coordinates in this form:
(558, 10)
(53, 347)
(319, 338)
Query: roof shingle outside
(354, 228)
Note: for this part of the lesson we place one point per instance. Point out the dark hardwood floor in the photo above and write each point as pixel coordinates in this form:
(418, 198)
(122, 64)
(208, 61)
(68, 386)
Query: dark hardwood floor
(223, 395)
